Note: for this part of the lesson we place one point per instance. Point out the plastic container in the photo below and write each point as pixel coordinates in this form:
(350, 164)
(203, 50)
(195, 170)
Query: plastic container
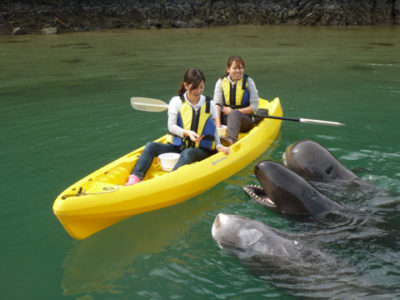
(168, 160)
(222, 130)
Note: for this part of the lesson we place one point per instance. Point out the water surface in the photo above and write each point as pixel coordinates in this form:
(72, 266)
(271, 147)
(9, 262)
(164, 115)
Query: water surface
(65, 112)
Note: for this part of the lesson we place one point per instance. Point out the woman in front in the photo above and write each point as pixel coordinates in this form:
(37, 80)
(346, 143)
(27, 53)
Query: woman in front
(236, 97)
(191, 122)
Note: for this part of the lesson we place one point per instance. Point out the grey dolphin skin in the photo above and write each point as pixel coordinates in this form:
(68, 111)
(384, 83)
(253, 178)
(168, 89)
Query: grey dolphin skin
(312, 161)
(258, 245)
(285, 192)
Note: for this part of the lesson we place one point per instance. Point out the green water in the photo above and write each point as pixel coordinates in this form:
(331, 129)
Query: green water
(65, 112)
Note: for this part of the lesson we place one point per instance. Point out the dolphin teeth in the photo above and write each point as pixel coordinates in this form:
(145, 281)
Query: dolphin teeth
(253, 190)
(257, 193)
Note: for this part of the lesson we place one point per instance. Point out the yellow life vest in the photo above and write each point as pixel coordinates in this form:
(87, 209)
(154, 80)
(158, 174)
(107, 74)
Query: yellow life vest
(237, 95)
(199, 121)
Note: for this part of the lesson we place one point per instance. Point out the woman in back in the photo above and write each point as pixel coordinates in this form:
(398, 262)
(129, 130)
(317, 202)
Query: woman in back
(236, 97)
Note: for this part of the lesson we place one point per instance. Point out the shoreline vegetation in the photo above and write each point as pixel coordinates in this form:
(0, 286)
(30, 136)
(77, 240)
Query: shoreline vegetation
(59, 16)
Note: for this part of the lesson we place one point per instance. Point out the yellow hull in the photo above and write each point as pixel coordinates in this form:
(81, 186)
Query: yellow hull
(101, 199)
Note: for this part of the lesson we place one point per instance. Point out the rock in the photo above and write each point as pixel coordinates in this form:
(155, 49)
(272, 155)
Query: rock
(179, 24)
(72, 15)
(17, 31)
(396, 12)
(49, 30)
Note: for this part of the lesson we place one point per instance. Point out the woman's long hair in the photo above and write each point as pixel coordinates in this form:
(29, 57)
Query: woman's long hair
(192, 76)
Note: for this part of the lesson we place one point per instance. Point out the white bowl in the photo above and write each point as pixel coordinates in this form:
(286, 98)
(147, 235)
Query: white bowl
(222, 130)
(168, 160)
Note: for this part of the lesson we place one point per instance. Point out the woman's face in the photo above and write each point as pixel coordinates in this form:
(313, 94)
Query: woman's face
(235, 71)
(194, 94)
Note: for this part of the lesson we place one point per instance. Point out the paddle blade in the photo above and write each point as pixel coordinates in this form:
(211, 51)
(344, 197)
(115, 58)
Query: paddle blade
(320, 122)
(148, 104)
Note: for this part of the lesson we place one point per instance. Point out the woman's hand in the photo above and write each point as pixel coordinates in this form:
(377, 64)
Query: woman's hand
(223, 149)
(194, 137)
(227, 110)
(245, 110)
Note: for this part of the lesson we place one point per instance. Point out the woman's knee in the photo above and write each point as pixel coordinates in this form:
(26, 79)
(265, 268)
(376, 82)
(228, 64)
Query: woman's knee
(149, 148)
(235, 114)
(149, 145)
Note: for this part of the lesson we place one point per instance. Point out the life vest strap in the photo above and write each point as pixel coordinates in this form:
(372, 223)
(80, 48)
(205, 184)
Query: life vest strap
(244, 85)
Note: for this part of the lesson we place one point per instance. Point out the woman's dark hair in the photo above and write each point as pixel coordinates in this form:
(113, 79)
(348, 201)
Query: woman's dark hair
(192, 76)
(233, 58)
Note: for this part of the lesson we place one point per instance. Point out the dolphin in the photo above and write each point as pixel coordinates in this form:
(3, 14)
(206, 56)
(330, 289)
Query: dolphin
(299, 264)
(313, 162)
(285, 192)
(265, 249)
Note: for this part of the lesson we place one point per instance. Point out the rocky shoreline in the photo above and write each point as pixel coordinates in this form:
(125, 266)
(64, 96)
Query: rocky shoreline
(57, 16)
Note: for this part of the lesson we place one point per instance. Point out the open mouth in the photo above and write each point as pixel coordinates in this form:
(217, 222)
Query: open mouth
(257, 193)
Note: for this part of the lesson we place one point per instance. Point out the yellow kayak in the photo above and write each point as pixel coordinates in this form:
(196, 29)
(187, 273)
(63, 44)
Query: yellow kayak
(100, 199)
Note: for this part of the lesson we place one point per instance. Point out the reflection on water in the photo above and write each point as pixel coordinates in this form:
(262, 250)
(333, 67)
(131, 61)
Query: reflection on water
(98, 264)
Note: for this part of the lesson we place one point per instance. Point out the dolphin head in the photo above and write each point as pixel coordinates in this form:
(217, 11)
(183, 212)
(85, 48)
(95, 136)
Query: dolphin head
(314, 162)
(284, 191)
(267, 251)
(232, 232)
(248, 238)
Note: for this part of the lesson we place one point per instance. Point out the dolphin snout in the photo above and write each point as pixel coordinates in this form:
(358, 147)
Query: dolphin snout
(259, 166)
(219, 222)
(266, 167)
(284, 159)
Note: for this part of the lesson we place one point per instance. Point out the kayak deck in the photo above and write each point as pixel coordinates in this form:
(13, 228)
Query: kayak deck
(101, 199)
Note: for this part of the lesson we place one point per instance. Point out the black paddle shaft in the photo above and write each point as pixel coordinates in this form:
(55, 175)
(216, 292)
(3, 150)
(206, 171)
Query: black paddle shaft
(275, 117)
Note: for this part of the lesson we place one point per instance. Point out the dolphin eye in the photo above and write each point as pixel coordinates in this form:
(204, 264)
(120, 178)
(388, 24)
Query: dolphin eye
(329, 170)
